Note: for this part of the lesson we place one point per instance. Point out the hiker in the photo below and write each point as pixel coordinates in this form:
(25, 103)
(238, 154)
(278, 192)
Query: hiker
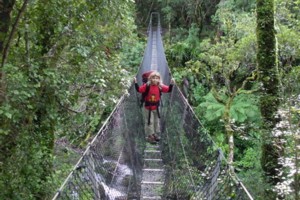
(151, 93)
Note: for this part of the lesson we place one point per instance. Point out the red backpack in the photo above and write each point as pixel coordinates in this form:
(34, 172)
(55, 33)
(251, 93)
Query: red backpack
(146, 75)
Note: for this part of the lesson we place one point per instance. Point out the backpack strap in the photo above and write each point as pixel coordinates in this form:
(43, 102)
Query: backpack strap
(149, 117)
(144, 94)
(157, 110)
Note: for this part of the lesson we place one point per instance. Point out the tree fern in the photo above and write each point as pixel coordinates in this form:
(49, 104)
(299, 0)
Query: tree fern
(243, 108)
(213, 110)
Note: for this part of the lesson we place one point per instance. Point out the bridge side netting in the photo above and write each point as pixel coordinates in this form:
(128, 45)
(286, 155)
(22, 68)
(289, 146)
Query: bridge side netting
(196, 168)
(111, 166)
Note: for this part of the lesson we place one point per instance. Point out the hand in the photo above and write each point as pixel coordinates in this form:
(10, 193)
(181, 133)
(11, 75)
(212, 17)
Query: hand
(134, 80)
(172, 81)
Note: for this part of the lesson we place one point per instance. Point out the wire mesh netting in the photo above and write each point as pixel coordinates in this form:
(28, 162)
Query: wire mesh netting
(111, 167)
(196, 168)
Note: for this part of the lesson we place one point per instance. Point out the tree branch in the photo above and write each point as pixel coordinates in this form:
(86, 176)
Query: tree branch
(250, 78)
(69, 109)
(12, 32)
(216, 95)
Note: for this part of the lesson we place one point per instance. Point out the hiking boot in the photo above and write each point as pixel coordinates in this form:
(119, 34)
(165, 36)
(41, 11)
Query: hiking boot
(151, 139)
(156, 137)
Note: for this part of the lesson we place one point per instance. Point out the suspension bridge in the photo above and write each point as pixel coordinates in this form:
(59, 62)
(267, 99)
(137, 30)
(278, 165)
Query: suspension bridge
(118, 164)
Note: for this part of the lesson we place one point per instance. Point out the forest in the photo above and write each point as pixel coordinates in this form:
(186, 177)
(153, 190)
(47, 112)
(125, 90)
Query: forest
(64, 65)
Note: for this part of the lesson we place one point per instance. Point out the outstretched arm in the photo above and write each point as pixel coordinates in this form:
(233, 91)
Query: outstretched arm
(171, 85)
(136, 84)
(166, 88)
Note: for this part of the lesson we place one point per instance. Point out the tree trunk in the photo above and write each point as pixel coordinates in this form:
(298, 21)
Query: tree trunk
(6, 7)
(229, 131)
(297, 165)
(6, 141)
(268, 76)
(227, 124)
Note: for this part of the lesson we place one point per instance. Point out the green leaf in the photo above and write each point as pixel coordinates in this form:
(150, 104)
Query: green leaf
(213, 109)
(8, 115)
